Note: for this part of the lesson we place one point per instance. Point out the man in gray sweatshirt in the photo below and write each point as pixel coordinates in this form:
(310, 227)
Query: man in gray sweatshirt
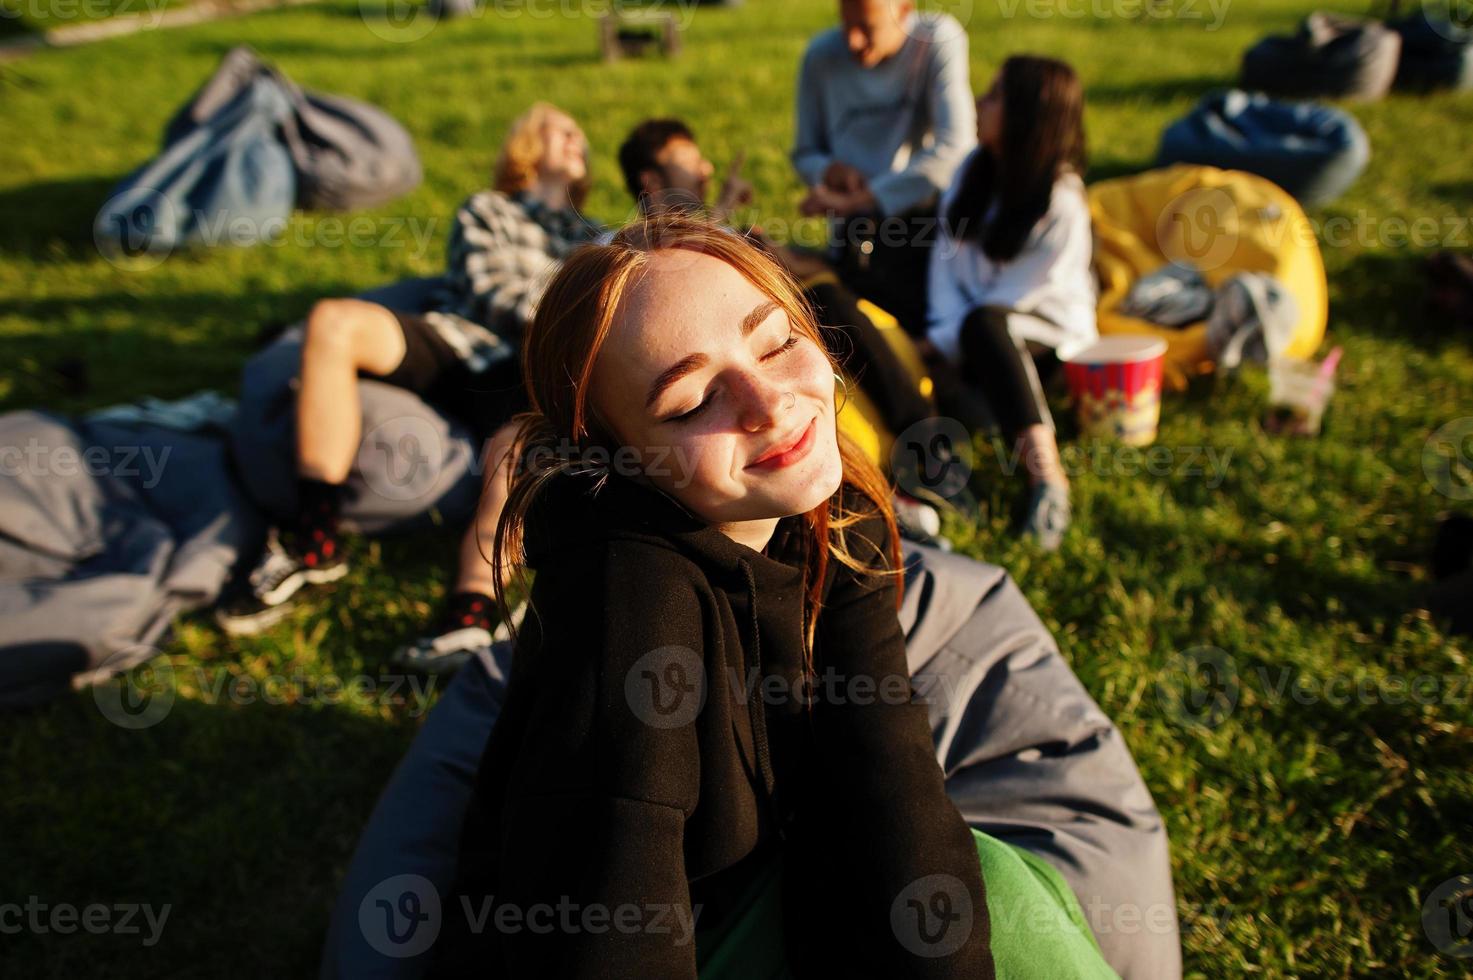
(885, 117)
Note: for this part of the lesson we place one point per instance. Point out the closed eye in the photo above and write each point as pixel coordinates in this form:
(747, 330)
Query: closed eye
(687, 416)
(782, 348)
(786, 346)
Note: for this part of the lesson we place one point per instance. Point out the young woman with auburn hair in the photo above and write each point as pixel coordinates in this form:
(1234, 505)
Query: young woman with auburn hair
(711, 680)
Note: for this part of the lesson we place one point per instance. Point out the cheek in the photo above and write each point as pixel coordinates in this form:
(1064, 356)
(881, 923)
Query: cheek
(812, 371)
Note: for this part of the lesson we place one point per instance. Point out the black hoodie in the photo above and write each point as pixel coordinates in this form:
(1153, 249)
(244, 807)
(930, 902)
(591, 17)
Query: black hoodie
(655, 746)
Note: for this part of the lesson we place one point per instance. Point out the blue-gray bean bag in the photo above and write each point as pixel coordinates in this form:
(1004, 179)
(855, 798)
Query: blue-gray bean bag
(1435, 53)
(1312, 151)
(415, 461)
(1331, 57)
(109, 528)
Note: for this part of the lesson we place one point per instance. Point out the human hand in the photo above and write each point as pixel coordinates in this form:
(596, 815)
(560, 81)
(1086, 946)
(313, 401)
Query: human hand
(825, 200)
(844, 178)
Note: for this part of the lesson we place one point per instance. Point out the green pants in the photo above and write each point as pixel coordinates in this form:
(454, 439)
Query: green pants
(1038, 928)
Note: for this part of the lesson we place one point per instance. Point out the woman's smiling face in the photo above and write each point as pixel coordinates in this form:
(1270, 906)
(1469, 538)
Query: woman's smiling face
(728, 407)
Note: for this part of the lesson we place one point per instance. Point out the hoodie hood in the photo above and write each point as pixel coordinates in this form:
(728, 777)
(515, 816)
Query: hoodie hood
(575, 514)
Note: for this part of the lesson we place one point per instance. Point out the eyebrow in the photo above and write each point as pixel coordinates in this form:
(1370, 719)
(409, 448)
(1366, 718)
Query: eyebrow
(693, 362)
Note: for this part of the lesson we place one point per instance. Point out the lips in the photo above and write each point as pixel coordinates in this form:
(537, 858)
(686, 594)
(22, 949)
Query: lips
(791, 449)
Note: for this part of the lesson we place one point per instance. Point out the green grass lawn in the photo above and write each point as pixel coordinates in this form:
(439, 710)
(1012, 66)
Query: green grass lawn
(1306, 833)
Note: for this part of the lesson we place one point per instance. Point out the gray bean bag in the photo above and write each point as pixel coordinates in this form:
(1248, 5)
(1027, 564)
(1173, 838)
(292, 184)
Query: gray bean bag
(1312, 151)
(108, 530)
(1029, 758)
(347, 154)
(1331, 56)
(414, 460)
(1435, 53)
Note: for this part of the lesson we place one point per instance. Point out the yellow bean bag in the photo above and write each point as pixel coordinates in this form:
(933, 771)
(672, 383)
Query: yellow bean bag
(1221, 221)
(858, 418)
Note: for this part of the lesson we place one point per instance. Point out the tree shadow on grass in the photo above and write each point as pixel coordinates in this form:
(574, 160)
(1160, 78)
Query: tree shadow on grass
(238, 813)
(53, 219)
(171, 345)
(1385, 293)
(1258, 574)
(1159, 92)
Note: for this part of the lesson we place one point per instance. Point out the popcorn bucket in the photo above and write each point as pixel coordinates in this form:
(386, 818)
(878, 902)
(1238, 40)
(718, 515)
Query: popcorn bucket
(1116, 385)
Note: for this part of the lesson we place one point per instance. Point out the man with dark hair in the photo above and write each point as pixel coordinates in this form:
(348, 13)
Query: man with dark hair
(664, 169)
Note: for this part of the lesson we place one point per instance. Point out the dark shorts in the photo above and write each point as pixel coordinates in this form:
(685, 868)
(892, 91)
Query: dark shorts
(430, 368)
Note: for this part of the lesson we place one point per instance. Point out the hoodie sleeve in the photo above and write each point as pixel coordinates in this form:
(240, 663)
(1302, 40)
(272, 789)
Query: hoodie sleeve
(592, 857)
(910, 890)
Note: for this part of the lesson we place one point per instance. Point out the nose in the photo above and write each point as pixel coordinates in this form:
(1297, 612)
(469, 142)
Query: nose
(763, 403)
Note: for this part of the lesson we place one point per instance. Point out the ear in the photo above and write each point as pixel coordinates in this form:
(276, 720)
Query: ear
(650, 182)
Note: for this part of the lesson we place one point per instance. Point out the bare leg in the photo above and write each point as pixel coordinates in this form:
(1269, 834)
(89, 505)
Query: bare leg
(476, 573)
(344, 336)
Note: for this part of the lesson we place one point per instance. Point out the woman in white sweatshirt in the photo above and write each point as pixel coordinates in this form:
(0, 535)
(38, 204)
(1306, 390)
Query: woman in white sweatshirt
(1010, 278)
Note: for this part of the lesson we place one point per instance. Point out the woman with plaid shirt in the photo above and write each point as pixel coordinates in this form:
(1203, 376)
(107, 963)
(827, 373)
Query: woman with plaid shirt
(461, 355)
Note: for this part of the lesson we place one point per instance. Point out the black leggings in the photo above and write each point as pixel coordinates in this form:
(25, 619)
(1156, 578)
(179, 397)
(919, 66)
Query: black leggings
(1001, 367)
(859, 346)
